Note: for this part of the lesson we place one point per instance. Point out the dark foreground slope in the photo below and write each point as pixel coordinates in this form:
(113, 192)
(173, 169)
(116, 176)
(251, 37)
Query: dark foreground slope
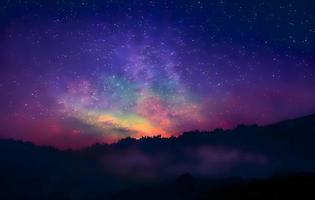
(274, 161)
(298, 186)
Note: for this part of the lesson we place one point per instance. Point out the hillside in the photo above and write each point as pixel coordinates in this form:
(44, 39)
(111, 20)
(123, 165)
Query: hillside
(207, 159)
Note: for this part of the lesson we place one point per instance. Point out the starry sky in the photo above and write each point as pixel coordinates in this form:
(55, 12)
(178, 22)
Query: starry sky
(74, 73)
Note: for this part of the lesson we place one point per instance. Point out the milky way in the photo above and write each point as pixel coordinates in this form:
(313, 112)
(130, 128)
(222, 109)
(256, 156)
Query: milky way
(78, 72)
(142, 94)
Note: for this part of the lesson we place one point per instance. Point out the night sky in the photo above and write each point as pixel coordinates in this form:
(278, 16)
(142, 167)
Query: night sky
(74, 73)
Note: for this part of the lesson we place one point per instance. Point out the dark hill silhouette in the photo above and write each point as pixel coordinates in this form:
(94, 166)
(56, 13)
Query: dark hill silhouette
(195, 165)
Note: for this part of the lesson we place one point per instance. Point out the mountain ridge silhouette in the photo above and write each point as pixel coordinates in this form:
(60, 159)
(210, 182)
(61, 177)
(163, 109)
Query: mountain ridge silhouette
(195, 162)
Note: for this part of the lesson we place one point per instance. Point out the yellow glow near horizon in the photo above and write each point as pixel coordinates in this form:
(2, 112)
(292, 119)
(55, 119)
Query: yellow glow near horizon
(131, 122)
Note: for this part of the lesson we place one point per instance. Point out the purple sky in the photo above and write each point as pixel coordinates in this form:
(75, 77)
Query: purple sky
(78, 72)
